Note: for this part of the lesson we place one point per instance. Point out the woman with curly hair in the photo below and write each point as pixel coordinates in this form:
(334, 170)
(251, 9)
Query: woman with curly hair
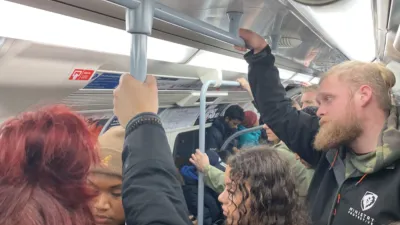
(260, 190)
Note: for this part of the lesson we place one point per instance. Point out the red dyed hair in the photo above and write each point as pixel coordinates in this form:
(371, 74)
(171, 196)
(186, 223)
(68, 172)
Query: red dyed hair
(96, 129)
(45, 157)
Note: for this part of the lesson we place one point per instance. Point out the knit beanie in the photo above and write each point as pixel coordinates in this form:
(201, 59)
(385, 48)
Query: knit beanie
(111, 145)
(250, 118)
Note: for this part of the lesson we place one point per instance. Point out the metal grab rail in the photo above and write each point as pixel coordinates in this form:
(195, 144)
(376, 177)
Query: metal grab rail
(139, 22)
(170, 15)
(107, 125)
(202, 141)
(237, 134)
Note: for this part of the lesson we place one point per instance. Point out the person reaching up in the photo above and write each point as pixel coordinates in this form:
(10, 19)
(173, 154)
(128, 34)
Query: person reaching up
(352, 142)
(151, 191)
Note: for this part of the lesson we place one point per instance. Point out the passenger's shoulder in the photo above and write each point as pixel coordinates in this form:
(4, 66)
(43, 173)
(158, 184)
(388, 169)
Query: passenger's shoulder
(281, 146)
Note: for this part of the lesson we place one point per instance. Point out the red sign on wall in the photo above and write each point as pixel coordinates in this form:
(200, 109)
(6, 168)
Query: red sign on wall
(81, 74)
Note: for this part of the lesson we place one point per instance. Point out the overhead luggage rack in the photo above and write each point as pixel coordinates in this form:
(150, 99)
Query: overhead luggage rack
(139, 21)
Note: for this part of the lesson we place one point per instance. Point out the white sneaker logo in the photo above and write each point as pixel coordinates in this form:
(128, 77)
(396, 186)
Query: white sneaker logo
(368, 201)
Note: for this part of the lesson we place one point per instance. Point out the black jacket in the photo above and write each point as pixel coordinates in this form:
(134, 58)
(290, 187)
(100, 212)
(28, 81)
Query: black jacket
(212, 208)
(334, 197)
(151, 191)
(217, 134)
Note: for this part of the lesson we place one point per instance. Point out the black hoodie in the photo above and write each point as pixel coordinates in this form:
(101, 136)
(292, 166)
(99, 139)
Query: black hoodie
(217, 134)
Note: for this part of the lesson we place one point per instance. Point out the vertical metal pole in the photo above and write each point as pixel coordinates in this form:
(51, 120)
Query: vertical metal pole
(139, 22)
(276, 29)
(139, 57)
(202, 142)
(234, 22)
(202, 146)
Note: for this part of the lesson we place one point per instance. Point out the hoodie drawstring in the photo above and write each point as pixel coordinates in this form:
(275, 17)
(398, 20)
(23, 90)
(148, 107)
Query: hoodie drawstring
(338, 196)
(333, 163)
(334, 160)
(361, 179)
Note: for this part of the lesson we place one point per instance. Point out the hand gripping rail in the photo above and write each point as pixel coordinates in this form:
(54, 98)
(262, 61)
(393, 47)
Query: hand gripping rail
(237, 134)
(139, 22)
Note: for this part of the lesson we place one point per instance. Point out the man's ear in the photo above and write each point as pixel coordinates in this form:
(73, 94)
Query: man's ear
(365, 93)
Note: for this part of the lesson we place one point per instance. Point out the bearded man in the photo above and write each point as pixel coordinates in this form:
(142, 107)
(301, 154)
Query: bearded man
(354, 148)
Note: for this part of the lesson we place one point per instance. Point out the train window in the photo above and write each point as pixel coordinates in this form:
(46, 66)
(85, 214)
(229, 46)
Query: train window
(209, 99)
(185, 145)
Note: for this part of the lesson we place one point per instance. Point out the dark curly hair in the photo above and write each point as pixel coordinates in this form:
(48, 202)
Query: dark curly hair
(273, 196)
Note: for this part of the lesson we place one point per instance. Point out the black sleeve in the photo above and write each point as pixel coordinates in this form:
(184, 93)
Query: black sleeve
(213, 139)
(295, 128)
(255, 104)
(151, 192)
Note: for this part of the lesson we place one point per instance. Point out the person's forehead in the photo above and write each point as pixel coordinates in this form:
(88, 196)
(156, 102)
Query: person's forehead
(310, 94)
(329, 81)
(102, 177)
(227, 174)
(332, 85)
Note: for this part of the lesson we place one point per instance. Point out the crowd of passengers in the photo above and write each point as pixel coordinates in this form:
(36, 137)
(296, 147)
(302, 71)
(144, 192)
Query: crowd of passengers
(332, 165)
(212, 162)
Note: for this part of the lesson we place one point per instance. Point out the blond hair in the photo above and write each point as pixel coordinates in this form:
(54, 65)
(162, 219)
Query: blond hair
(375, 75)
(311, 88)
(295, 104)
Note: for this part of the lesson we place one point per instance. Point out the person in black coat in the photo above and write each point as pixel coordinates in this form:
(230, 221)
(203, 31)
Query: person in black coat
(223, 127)
(151, 191)
(353, 142)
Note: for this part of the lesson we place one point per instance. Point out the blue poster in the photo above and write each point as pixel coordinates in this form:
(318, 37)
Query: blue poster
(104, 81)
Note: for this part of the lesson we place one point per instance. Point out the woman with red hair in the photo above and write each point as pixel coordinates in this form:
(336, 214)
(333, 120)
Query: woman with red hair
(45, 158)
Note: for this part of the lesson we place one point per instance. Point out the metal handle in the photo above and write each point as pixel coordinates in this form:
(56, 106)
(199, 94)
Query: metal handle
(237, 134)
(202, 142)
(138, 22)
(170, 15)
(107, 125)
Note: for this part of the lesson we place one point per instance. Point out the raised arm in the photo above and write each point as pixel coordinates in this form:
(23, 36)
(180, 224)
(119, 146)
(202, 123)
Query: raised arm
(297, 129)
(151, 192)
